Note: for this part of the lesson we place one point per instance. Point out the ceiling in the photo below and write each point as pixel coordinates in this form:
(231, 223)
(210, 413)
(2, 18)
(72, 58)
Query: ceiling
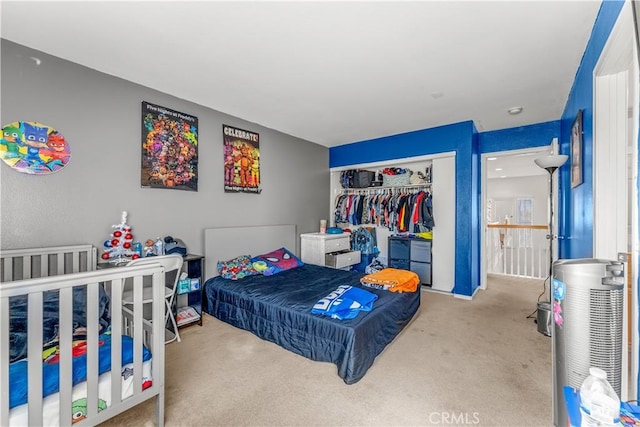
(517, 165)
(328, 72)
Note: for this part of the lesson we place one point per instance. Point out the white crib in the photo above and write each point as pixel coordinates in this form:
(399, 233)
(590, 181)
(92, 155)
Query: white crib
(33, 272)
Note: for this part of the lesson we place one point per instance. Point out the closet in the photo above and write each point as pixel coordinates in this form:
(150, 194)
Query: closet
(441, 191)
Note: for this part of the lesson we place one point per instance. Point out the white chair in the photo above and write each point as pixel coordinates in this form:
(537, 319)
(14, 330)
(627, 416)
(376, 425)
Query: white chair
(172, 266)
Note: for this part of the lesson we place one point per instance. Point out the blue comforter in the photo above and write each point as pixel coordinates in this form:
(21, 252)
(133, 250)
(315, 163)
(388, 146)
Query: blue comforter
(278, 309)
(50, 312)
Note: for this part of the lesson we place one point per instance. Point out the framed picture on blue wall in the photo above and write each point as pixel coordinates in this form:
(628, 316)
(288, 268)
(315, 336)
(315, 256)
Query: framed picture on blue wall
(576, 151)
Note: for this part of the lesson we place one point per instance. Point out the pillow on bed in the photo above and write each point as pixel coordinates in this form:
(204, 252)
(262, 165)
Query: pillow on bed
(237, 268)
(279, 260)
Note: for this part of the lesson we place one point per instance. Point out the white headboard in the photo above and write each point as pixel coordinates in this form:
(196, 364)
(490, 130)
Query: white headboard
(221, 244)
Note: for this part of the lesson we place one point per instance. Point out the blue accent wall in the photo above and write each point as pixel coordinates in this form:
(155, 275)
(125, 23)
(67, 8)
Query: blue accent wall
(576, 205)
(537, 135)
(436, 140)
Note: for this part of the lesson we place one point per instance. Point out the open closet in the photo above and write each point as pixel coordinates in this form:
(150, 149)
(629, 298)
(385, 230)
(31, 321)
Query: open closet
(392, 209)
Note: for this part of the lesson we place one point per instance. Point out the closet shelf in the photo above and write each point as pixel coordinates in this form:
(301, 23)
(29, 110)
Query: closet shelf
(383, 190)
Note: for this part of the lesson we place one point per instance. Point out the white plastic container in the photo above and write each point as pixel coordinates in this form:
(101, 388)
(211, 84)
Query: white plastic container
(158, 247)
(599, 403)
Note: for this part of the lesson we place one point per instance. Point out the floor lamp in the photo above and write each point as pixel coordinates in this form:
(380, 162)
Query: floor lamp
(550, 164)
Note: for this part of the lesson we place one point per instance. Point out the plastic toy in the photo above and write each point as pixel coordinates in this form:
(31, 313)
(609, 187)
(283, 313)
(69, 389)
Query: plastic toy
(149, 248)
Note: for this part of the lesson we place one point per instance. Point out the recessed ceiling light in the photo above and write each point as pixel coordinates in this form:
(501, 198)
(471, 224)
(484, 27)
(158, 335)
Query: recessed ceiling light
(492, 158)
(498, 169)
(515, 110)
(503, 176)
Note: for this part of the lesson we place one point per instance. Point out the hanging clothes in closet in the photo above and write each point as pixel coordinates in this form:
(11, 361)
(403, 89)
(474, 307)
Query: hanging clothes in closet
(398, 210)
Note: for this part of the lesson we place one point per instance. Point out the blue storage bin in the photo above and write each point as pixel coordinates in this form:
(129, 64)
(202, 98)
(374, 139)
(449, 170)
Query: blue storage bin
(399, 247)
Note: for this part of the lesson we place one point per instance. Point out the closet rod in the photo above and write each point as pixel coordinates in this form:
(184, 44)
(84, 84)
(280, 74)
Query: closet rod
(383, 190)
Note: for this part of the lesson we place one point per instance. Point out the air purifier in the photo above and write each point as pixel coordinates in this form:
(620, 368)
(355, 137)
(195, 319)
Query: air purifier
(587, 305)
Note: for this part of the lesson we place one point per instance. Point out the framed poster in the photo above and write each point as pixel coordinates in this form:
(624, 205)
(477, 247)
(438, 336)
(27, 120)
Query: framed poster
(576, 151)
(169, 149)
(241, 160)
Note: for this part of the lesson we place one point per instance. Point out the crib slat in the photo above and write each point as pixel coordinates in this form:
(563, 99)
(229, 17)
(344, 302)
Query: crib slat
(26, 267)
(66, 354)
(75, 261)
(34, 352)
(44, 266)
(7, 265)
(92, 258)
(116, 340)
(92, 349)
(137, 334)
(4, 361)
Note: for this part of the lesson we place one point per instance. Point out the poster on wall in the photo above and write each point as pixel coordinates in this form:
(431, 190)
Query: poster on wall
(169, 149)
(34, 148)
(241, 160)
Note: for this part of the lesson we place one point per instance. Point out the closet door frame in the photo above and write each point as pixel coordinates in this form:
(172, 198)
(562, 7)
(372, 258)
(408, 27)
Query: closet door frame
(445, 225)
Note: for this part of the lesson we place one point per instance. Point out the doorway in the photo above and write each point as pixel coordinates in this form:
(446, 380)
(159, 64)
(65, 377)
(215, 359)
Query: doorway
(515, 208)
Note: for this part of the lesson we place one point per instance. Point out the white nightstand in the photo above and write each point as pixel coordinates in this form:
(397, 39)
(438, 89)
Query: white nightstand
(331, 250)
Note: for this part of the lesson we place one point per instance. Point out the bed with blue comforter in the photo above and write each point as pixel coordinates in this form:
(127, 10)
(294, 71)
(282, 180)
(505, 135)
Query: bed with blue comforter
(278, 308)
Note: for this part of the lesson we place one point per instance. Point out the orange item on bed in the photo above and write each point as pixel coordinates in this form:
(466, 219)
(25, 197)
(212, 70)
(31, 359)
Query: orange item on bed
(393, 279)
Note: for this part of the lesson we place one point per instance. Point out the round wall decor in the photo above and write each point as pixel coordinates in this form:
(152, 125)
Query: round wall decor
(34, 148)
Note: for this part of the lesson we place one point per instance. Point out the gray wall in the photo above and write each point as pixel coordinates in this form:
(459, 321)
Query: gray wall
(100, 116)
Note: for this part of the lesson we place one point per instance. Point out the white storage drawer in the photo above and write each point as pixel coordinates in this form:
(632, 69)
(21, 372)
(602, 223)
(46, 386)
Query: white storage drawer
(337, 245)
(342, 259)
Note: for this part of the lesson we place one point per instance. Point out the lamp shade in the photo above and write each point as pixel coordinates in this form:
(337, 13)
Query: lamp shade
(551, 162)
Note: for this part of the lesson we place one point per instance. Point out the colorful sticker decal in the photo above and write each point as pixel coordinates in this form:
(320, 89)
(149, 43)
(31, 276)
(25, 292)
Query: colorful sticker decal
(557, 313)
(34, 148)
(559, 291)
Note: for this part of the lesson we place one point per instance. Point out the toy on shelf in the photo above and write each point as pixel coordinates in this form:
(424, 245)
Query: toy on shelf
(119, 248)
(149, 248)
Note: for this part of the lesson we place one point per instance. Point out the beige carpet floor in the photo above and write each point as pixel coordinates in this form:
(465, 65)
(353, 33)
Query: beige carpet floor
(460, 362)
